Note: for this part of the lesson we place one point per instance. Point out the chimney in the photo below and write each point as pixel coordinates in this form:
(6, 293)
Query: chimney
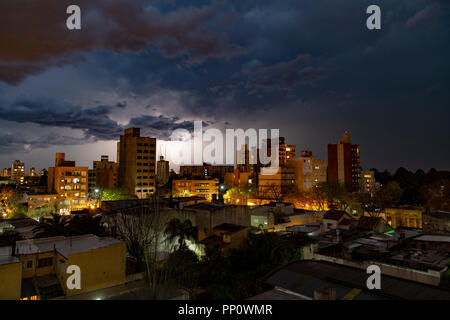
(325, 293)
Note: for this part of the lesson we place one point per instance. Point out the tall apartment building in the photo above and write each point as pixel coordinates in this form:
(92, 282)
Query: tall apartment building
(32, 172)
(344, 163)
(309, 171)
(276, 186)
(162, 171)
(6, 172)
(106, 173)
(286, 151)
(18, 171)
(69, 182)
(137, 159)
(367, 182)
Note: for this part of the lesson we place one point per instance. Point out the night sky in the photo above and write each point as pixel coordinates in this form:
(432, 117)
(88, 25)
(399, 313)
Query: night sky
(310, 68)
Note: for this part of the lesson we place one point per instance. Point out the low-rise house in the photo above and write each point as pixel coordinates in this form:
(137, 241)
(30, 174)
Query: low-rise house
(375, 224)
(39, 268)
(403, 216)
(333, 218)
(227, 236)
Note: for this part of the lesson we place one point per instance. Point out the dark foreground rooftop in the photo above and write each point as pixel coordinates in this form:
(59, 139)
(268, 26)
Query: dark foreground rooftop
(303, 277)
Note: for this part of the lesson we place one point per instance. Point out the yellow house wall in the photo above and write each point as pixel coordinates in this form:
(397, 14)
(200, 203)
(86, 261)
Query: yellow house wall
(10, 281)
(35, 271)
(100, 268)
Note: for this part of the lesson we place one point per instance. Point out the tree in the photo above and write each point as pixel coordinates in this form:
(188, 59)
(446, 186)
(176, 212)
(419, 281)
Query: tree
(388, 195)
(51, 227)
(180, 231)
(115, 194)
(87, 224)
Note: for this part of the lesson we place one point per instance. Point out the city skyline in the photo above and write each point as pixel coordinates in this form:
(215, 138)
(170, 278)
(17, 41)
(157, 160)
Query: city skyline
(299, 67)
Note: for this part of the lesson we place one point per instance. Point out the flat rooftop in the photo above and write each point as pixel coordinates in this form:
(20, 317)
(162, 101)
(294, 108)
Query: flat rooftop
(433, 238)
(305, 276)
(64, 245)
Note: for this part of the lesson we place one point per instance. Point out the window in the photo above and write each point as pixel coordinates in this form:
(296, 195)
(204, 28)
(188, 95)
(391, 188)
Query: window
(27, 265)
(45, 262)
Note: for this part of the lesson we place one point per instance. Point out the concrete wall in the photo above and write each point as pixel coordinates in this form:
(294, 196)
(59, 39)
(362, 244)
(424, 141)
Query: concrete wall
(100, 268)
(10, 281)
(431, 277)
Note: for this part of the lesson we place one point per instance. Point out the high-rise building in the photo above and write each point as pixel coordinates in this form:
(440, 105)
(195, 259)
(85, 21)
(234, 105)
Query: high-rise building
(278, 185)
(69, 182)
(32, 172)
(367, 182)
(137, 159)
(162, 171)
(286, 151)
(18, 171)
(344, 163)
(6, 172)
(309, 171)
(106, 173)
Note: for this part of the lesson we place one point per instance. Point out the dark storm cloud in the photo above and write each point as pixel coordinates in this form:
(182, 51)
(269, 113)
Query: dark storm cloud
(95, 123)
(285, 75)
(14, 142)
(422, 16)
(34, 36)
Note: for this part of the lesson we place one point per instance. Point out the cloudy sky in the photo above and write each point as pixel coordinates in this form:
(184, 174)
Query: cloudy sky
(310, 68)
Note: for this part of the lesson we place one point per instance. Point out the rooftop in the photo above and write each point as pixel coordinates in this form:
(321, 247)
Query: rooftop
(335, 214)
(433, 238)
(305, 276)
(209, 206)
(440, 214)
(64, 245)
(368, 223)
(229, 228)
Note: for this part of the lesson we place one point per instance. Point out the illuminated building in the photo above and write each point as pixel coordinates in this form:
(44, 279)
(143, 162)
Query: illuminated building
(404, 216)
(6, 172)
(162, 171)
(39, 200)
(32, 172)
(201, 188)
(69, 182)
(367, 182)
(137, 158)
(309, 171)
(286, 151)
(278, 185)
(344, 163)
(18, 171)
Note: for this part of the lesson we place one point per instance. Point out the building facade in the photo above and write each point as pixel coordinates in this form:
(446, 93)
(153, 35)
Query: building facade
(18, 171)
(69, 182)
(162, 171)
(276, 186)
(200, 188)
(206, 171)
(137, 160)
(309, 171)
(344, 164)
(106, 173)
